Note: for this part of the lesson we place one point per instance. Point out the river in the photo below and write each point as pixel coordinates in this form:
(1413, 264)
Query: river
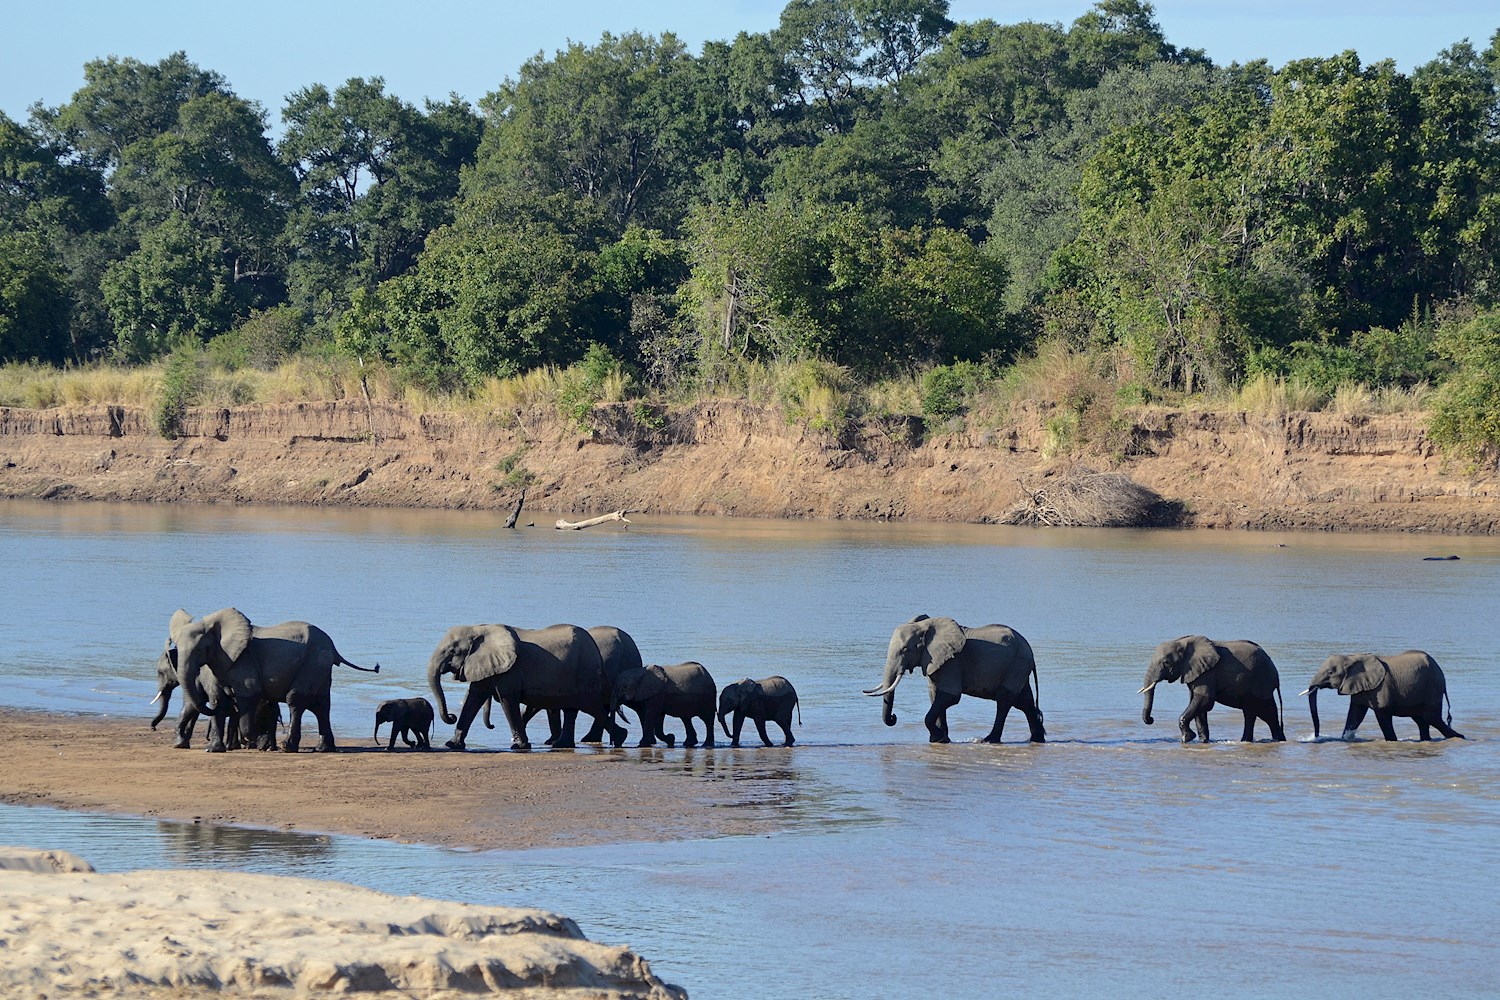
(1111, 861)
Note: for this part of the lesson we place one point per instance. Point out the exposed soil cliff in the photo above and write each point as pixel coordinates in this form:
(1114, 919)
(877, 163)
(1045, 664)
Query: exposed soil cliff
(1300, 470)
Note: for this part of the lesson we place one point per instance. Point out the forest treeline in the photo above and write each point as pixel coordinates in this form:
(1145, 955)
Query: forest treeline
(869, 188)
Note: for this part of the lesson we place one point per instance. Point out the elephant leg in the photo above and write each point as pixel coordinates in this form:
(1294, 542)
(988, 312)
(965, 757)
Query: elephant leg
(1423, 730)
(1248, 736)
(708, 727)
(563, 740)
(650, 725)
(786, 730)
(186, 723)
(739, 723)
(1026, 702)
(512, 709)
(1448, 731)
(596, 731)
(760, 727)
(554, 726)
(392, 744)
(1002, 709)
(1273, 721)
(1190, 716)
(691, 737)
(1387, 725)
(936, 719)
(322, 710)
(473, 702)
(1357, 710)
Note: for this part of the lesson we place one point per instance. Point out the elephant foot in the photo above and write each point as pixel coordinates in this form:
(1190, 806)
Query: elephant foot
(932, 738)
(646, 743)
(688, 743)
(181, 744)
(520, 745)
(708, 744)
(454, 744)
(289, 747)
(1188, 737)
(735, 744)
(216, 748)
(325, 748)
(789, 742)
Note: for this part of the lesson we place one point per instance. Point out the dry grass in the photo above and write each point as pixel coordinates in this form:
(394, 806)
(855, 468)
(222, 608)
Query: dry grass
(1084, 498)
(1273, 396)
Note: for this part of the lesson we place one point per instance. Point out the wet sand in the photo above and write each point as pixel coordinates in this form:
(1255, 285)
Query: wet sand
(477, 799)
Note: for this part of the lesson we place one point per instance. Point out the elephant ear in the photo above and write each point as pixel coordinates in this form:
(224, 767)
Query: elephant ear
(179, 619)
(1202, 657)
(233, 629)
(492, 655)
(945, 637)
(653, 683)
(1365, 673)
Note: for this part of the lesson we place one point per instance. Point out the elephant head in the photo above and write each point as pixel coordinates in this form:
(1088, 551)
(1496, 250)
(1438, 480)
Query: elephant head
(743, 696)
(634, 685)
(166, 682)
(928, 643)
(216, 641)
(1349, 675)
(1185, 659)
(470, 653)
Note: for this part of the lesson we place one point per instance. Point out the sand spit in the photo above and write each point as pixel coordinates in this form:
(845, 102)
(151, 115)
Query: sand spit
(188, 934)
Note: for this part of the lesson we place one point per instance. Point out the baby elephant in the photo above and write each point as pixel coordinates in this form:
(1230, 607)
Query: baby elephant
(1408, 684)
(408, 717)
(683, 690)
(771, 700)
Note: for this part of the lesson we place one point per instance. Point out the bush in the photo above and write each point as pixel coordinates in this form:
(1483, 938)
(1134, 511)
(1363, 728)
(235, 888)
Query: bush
(263, 341)
(181, 383)
(947, 390)
(598, 378)
(1466, 414)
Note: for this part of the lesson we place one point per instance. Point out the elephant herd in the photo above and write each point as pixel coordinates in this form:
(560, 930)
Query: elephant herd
(238, 675)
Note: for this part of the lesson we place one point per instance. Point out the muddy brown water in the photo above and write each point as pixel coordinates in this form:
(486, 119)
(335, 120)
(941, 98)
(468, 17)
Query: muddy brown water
(1109, 862)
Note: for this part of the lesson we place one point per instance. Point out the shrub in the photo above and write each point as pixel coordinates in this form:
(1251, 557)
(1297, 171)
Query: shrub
(1466, 415)
(181, 383)
(598, 378)
(948, 390)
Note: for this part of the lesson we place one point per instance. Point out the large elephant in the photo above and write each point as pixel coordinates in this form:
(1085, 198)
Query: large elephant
(684, 691)
(557, 667)
(769, 700)
(268, 718)
(617, 651)
(290, 663)
(994, 662)
(1237, 674)
(1408, 684)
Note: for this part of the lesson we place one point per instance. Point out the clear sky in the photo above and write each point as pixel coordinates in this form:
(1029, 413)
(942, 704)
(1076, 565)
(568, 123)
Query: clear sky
(429, 48)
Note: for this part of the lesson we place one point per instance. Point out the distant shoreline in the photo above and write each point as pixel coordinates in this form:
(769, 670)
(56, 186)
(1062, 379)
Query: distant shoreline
(1293, 471)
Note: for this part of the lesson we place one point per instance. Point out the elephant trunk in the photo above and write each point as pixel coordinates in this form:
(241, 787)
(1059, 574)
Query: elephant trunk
(165, 697)
(1148, 689)
(435, 681)
(192, 693)
(724, 722)
(1312, 709)
(894, 661)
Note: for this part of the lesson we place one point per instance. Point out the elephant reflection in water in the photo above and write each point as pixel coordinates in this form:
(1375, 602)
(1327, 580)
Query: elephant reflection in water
(194, 842)
(1408, 684)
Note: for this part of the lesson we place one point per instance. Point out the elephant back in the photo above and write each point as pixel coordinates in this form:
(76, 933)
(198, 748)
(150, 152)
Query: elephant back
(995, 658)
(1415, 678)
(617, 650)
(1254, 671)
(563, 666)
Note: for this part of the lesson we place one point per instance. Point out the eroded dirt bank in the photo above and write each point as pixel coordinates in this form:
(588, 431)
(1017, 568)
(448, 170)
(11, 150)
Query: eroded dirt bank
(1234, 470)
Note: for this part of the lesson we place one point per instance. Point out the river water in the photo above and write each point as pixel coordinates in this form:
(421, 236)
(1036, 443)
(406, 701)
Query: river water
(1109, 862)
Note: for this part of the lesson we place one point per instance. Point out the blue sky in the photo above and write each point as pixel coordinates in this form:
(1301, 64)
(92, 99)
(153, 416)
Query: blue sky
(429, 48)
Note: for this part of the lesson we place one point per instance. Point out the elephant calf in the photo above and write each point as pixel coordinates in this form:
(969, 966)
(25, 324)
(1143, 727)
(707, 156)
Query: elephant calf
(1238, 674)
(1408, 684)
(683, 690)
(409, 717)
(769, 700)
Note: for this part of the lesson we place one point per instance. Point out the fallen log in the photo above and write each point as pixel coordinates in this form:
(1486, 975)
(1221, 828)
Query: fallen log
(618, 515)
(510, 522)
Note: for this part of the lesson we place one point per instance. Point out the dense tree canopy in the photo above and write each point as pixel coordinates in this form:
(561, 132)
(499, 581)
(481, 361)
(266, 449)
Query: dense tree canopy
(869, 184)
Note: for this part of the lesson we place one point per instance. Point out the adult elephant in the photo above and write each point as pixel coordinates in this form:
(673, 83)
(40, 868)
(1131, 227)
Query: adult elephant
(1408, 684)
(617, 652)
(994, 662)
(187, 720)
(768, 700)
(684, 691)
(290, 663)
(1238, 674)
(557, 667)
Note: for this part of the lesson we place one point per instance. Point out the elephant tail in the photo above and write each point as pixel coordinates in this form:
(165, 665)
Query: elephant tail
(349, 663)
(797, 704)
(1445, 698)
(1036, 685)
(1280, 709)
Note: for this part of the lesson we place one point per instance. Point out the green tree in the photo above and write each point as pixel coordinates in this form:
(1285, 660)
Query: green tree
(34, 301)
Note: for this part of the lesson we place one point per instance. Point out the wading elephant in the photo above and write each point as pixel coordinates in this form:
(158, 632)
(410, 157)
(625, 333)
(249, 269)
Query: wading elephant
(994, 662)
(266, 721)
(1237, 674)
(617, 651)
(1409, 684)
(409, 718)
(290, 663)
(684, 691)
(769, 700)
(557, 667)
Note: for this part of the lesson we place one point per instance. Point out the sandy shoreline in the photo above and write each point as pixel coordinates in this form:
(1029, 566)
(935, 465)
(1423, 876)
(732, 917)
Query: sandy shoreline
(476, 799)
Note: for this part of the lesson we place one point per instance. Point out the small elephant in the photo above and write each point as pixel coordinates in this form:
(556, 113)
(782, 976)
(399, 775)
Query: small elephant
(987, 661)
(1408, 684)
(409, 717)
(769, 700)
(1238, 674)
(683, 690)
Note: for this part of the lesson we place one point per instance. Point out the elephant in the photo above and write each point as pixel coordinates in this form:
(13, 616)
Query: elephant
(1238, 674)
(993, 662)
(1408, 684)
(291, 662)
(618, 652)
(409, 717)
(266, 721)
(766, 700)
(683, 690)
(557, 667)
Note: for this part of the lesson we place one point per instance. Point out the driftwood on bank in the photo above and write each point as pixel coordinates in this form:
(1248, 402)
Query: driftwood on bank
(1083, 498)
(510, 522)
(618, 515)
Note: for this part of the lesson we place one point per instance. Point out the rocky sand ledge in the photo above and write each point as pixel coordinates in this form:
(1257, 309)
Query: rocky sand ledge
(67, 931)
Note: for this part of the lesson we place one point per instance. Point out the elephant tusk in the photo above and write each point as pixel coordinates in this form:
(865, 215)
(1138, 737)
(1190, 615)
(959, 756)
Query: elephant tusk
(1304, 693)
(1148, 687)
(881, 690)
(156, 699)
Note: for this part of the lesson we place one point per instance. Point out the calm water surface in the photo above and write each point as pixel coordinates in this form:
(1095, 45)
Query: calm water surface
(1109, 862)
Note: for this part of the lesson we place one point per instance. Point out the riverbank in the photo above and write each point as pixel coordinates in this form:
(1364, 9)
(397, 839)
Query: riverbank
(1318, 471)
(476, 799)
